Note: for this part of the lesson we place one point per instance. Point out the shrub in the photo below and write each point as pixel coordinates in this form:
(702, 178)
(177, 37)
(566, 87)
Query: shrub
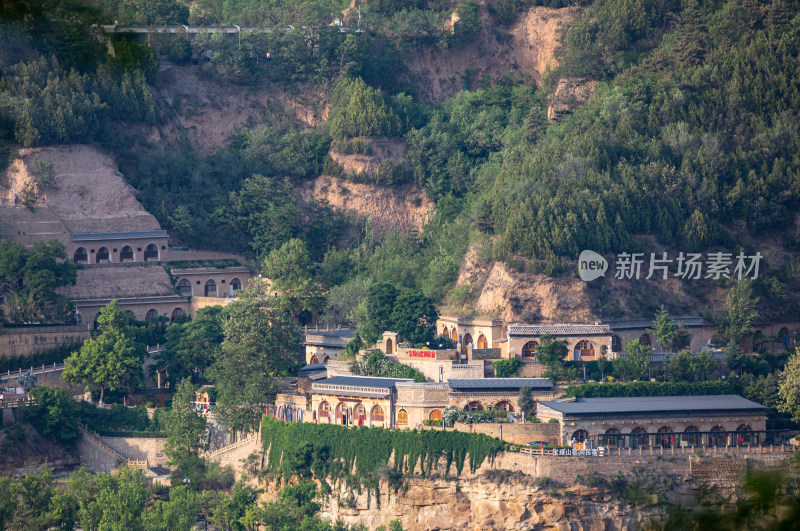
(506, 368)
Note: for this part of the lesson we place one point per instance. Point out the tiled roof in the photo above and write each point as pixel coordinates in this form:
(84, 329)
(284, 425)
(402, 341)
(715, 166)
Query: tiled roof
(364, 381)
(475, 384)
(653, 404)
(91, 236)
(558, 329)
(313, 367)
(623, 324)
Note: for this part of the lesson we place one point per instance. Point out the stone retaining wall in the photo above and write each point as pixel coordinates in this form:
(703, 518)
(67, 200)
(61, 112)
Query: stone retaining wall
(139, 448)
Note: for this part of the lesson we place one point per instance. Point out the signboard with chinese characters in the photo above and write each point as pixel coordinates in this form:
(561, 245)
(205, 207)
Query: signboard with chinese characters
(422, 354)
(575, 452)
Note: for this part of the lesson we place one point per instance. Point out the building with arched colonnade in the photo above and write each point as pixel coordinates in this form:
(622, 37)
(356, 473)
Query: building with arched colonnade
(664, 421)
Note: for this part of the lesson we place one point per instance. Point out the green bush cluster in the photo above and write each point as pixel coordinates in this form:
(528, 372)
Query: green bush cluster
(606, 390)
(328, 450)
(119, 419)
(506, 368)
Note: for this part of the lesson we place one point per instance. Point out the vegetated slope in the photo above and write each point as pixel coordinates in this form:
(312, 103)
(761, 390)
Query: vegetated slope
(527, 46)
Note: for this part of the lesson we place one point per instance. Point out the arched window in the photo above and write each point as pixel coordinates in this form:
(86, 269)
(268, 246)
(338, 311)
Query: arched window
(80, 256)
(376, 414)
(644, 339)
(184, 287)
(616, 344)
(313, 360)
(126, 254)
(743, 434)
(482, 343)
(402, 417)
(475, 405)
(454, 334)
(102, 255)
(639, 437)
(327, 359)
(584, 350)
(150, 315)
(305, 318)
(717, 436)
(580, 436)
(785, 338)
(150, 253)
(360, 412)
(691, 436)
(445, 332)
(95, 324)
(436, 414)
(467, 339)
(665, 437)
(324, 411)
(341, 412)
(613, 440)
(504, 405)
(389, 346)
(177, 314)
(529, 350)
(210, 289)
(235, 286)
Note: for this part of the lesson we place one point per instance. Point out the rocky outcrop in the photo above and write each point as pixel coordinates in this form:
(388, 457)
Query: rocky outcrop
(521, 296)
(404, 208)
(528, 46)
(570, 94)
(517, 502)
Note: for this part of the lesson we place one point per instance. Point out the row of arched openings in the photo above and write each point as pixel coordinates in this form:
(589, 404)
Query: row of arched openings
(210, 289)
(666, 437)
(503, 405)
(126, 254)
(151, 314)
(314, 359)
(466, 338)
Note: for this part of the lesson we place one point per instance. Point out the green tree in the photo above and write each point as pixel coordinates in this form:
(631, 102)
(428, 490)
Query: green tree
(111, 360)
(526, 403)
(680, 367)
(118, 501)
(681, 338)
(506, 368)
(634, 361)
(55, 413)
(9, 499)
(378, 306)
(552, 353)
(192, 347)
(359, 110)
(414, 317)
(789, 387)
(261, 344)
(663, 327)
(704, 365)
(740, 312)
(184, 428)
(180, 512)
(290, 269)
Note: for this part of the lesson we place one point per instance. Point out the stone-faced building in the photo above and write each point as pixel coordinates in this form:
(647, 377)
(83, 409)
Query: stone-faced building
(585, 342)
(118, 247)
(325, 345)
(398, 403)
(482, 334)
(355, 401)
(497, 394)
(657, 421)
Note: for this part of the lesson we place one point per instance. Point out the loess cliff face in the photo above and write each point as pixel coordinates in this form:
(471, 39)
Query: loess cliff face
(528, 46)
(516, 503)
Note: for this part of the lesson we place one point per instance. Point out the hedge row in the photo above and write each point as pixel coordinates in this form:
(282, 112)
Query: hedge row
(633, 389)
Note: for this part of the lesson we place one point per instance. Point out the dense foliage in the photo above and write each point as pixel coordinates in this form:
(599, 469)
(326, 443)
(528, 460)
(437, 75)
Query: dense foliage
(29, 279)
(328, 450)
(607, 390)
(376, 363)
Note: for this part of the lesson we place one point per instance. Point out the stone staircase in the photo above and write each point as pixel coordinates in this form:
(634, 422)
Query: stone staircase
(94, 440)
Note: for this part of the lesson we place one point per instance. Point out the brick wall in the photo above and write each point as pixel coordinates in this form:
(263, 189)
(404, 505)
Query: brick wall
(139, 448)
(515, 433)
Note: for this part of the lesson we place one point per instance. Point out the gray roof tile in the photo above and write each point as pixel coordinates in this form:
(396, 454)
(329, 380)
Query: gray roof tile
(92, 236)
(558, 329)
(499, 383)
(653, 404)
(364, 381)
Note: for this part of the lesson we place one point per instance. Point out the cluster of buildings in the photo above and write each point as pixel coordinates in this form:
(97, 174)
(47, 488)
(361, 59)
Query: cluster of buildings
(463, 377)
